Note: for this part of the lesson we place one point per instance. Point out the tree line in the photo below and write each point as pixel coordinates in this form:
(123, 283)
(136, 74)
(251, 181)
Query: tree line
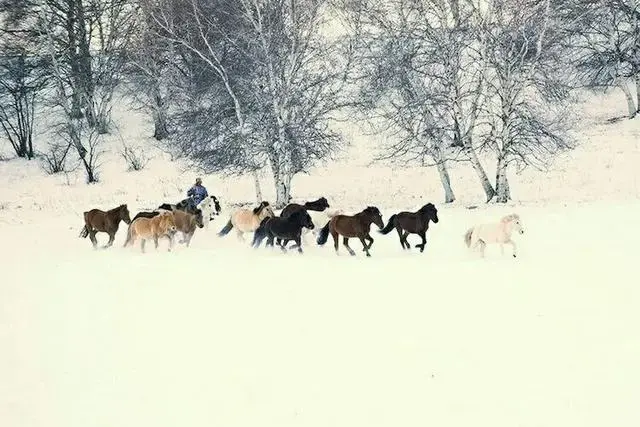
(237, 87)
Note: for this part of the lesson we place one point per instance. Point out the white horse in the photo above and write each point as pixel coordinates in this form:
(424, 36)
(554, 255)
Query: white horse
(482, 234)
(210, 208)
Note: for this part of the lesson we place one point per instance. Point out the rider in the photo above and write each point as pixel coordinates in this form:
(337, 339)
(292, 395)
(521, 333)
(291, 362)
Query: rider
(197, 193)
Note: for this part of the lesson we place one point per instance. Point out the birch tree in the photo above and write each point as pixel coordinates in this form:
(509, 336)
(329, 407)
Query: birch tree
(528, 112)
(605, 37)
(424, 80)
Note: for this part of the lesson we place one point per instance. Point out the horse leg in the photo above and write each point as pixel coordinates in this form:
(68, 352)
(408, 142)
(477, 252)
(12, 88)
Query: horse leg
(92, 236)
(481, 244)
(335, 241)
(189, 237)
(364, 244)
(513, 245)
(424, 241)
(399, 230)
(345, 242)
(370, 239)
(298, 244)
(404, 239)
(170, 242)
(155, 241)
(240, 235)
(142, 243)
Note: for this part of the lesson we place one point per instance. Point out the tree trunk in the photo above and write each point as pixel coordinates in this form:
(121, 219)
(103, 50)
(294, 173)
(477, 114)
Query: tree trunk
(477, 166)
(258, 188)
(631, 105)
(638, 92)
(283, 189)
(503, 193)
(449, 197)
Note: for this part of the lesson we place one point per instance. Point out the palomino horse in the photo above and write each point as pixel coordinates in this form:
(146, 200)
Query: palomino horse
(186, 222)
(247, 220)
(412, 223)
(161, 225)
(500, 232)
(285, 229)
(357, 225)
(96, 221)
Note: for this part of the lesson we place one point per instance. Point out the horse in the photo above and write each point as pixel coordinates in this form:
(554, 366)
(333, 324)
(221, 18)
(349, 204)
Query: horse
(500, 232)
(315, 209)
(96, 221)
(210, 207)
(317, 205)
(247, 220)
(412, 223)
(285, 229)
(357, 225)
(186, 222)
(161, 225)
(183, 205)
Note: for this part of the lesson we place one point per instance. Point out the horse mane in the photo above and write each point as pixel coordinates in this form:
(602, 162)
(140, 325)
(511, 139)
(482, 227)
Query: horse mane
(510, 217)
(261, 206)
(118, 208)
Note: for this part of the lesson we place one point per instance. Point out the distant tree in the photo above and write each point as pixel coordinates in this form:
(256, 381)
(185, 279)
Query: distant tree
(528, 112)
(22, 76)
(605, 38)
(422, 80)
(261, 84)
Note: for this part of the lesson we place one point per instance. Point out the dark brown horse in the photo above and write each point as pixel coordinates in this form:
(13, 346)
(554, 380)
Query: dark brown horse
(317, 205)
(412, 223)
(96, 221)
(357, 225)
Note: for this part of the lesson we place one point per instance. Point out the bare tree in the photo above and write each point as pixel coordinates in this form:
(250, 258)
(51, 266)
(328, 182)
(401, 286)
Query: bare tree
(22, 76)
(261, 84)
(89, 38)
(74, 131)
(605, 38)
(528, 112)
(423, 80)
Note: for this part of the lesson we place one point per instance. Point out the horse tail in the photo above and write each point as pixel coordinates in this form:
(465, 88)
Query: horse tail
(467, 237)
(84, 232)
(227, 228)
(323, 236)
(129, 235)
(390, 225)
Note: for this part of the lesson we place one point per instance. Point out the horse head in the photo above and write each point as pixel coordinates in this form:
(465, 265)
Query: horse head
(515, 223)
(199, 219)
(124, 214)
(430, 211)
(302, 218)
(374, 214)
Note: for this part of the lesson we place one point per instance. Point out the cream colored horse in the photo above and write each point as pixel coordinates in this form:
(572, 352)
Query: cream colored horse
(483, 234)
(247, 220)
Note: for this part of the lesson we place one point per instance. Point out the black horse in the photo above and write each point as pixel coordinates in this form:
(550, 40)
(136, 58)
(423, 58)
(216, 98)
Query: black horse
(317, 205)
(412, 223)
(285, 229)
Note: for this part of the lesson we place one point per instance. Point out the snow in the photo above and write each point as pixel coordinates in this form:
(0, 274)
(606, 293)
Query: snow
(221, 334)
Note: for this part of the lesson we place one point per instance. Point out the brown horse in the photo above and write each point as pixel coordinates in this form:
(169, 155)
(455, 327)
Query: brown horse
(186, 222)
(357, 225)
(96, 221)
(161, 225)
(412, 223)
(247, 220)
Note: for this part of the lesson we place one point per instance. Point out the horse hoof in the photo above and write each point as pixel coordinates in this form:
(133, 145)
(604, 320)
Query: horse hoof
(368, 254)
(514, 255)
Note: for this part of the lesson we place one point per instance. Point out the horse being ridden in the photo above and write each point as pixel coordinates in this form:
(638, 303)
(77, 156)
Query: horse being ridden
(412, 223)
(357, 225)
(96, 221)
(284, 229)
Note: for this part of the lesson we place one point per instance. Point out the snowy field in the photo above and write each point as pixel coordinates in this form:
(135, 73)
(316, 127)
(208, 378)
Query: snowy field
(220, 334)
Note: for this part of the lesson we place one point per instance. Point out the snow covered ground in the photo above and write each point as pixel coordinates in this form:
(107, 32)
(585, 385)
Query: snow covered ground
(220, 334)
